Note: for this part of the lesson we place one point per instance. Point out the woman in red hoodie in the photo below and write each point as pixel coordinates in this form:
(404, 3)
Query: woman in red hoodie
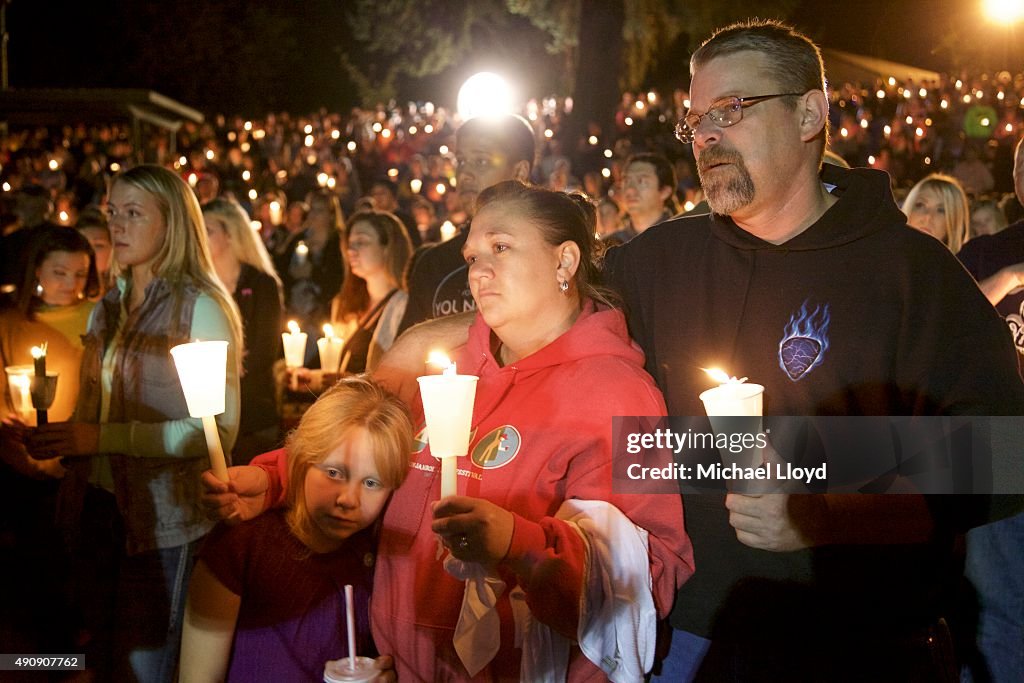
(555, 364)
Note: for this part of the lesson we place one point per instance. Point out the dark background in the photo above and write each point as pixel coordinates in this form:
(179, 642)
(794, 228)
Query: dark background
(253, 56)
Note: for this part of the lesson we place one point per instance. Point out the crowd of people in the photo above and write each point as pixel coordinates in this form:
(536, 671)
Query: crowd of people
(579, 280)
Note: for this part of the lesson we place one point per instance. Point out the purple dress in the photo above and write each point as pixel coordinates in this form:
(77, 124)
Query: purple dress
(292, 617)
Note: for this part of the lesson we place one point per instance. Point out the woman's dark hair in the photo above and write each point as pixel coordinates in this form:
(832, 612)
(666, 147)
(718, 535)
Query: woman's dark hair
(44, 243)
(562, 217)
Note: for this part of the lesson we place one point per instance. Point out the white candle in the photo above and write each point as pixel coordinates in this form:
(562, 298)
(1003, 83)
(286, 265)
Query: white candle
(301, 252)
(732, 397)
(448, 409)
(202, 370)
(330, 349)
(19, 382)
(294, 342)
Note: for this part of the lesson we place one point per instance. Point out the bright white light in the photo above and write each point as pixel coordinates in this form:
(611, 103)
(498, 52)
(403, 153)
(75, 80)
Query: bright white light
(919, 132)
(182, 160)
(910, 120)
(441, 189)
(880, 94)
(484, 94)
(351, 146)
(606, 172)
(892, 80)
(246, 175)
(967, 99)
(871, 160)
(392, 173)
(688, 206)
(386, 133)
(259, 134)
(377, 127)
(308, 129)
(193, 179)
(640, 105)
(844, 132)
(63, 215)
(54, 164)
(442, 150)
(331, 183)
(592, 139)
(863, 123)
(209, 154)
(7, 187)
(985, 122)
(311, 159)
(256, 225)
(548, 133)
(447, 231)
(115, 167)
(253, 195)
(308, 141)
(245, 147)
(944, 104)
(1004, 11)
(629, 120)
(321, 179)
(1009, 128)
(922, 92)
(412, 130)
(887, 130)
(335, 134)
(608, 154)
(428, 129)
(247, 125)
(416, 185)
(1000, 95)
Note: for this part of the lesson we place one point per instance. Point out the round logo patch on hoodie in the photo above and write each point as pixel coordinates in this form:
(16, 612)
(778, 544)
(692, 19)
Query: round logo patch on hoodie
(497, 448)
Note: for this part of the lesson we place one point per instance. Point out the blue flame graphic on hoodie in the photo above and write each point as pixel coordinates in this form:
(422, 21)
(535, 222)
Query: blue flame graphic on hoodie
(804, 341)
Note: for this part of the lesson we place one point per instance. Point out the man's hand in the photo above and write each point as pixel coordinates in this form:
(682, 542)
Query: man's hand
(779, 522)
(242, 497)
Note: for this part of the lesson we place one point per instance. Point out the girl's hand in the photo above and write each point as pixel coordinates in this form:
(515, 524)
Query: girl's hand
(64, 439)
(473, 529)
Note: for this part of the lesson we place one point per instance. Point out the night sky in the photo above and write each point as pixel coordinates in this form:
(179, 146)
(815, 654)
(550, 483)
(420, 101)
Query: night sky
(250, 56)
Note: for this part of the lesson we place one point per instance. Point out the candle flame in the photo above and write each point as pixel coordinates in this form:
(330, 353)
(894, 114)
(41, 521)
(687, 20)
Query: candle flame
(293, 327)
(328, 330)
(39, 351)
(722, 377)
(439, 358)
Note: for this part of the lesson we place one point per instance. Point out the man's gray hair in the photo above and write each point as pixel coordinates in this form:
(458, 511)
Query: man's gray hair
(794, 60)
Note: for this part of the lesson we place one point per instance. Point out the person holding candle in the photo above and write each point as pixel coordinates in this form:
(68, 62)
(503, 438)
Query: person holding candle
(367, 310)
(310, 264)
(806, 279)
(132, 439)
(544, 334)
(244, 266)
(265, 601)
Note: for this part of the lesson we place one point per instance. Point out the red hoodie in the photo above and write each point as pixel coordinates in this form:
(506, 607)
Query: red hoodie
(542, 434)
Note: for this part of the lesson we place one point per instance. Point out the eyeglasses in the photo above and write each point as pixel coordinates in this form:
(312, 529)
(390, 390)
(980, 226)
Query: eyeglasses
(723, 113)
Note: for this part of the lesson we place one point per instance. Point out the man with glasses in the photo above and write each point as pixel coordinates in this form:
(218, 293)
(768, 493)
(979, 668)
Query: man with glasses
(487, 151)
(806, 279)
(648, 195)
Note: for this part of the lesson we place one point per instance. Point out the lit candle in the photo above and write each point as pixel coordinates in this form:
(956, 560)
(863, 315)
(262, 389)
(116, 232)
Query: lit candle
(43, 388)
(19, 382)
(202, 370)
(275, 212)
(301, 252)
(330, 349)
(294, 342)
(734, 398)
(448, 409)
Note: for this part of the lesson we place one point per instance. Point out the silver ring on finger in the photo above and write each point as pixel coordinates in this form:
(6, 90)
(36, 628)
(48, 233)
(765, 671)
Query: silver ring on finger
(463, 542)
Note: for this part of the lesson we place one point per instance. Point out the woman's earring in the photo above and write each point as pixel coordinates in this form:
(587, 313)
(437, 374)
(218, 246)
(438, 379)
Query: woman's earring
(39, 289)
(563, 286)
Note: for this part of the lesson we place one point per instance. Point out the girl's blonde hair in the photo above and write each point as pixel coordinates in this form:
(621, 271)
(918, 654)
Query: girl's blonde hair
(185, 254)
(954, 202)
(354, 299)
(355, 402)
(245, 244)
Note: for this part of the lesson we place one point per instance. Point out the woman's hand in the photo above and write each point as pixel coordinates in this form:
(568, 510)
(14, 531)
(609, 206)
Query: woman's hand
(64, 440)
(473, 529)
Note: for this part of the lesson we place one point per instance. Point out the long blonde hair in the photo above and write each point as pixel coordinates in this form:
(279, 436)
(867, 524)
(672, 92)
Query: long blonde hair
(354, 402)
(185, 253)
(245, 245)
(954, 203)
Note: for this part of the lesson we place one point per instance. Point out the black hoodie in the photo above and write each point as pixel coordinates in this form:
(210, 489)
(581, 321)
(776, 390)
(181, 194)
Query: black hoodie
(857, 315)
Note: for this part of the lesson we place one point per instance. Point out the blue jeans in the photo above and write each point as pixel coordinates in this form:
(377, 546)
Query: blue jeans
(149, 608)
(684, 657)
(995, 567)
